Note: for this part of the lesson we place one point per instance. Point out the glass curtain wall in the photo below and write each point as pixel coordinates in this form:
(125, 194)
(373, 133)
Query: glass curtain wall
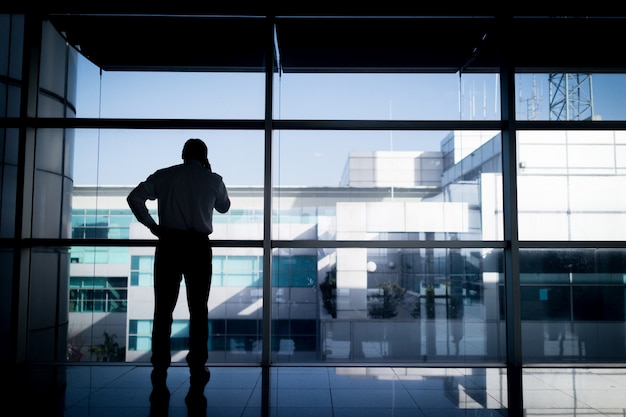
(376, 207)
(414, 278)
(37, 81)
(568, 182)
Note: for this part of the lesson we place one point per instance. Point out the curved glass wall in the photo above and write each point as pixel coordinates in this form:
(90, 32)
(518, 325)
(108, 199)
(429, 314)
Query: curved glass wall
(35, 187)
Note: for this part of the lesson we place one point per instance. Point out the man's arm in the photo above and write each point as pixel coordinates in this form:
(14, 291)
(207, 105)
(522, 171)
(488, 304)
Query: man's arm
(137, 202)
(222, 201)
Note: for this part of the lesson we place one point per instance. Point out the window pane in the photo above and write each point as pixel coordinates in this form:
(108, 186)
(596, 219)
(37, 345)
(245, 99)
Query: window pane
(391, 305)
(169, 95)
(573, 311)
(571, 96)
(50, 149)
(99, 182)
(566, 185)
(99, 287)
(430, 186)
(388, 96)
(110, 157)
(47, 187)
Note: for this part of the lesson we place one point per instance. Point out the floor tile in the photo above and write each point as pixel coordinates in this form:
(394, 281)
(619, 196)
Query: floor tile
(301, 391)
(373, 398)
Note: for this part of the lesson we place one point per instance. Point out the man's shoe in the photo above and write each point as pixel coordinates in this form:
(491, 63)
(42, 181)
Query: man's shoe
(199, 378)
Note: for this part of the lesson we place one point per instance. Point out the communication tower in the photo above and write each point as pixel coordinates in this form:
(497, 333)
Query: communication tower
(571, 96)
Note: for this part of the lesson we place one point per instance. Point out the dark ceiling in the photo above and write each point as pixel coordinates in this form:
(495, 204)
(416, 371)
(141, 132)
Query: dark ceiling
(329, 41)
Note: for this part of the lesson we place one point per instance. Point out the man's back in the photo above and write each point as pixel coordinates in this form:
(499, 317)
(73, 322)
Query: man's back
(186, 193)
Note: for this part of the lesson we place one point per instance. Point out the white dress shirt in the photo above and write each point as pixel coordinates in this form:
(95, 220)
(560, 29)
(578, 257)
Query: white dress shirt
(186, 195)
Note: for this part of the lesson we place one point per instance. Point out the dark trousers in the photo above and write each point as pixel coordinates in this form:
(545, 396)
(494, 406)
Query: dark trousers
(178, 255)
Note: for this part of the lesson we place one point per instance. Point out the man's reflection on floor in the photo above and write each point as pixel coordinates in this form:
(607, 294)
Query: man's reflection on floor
(159, 403)
(195, 400)
(196, 403)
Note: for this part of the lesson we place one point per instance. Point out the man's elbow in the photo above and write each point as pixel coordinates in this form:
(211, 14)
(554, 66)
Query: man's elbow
(223, 208)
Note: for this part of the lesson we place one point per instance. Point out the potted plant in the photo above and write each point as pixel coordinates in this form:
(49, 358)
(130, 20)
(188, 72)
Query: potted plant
(384, 304)
(108, 351)
(329, 293)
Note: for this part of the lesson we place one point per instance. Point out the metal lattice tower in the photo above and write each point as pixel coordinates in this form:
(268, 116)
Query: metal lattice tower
(571, 96)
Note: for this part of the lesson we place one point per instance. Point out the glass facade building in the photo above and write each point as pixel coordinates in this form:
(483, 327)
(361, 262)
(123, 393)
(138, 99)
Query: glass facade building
(395, 200)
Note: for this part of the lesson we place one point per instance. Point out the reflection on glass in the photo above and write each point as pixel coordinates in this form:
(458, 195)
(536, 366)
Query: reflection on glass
(327, 305)
(573, 305)
(101, 294)
(428, 186)
(568, 185)
(111, 304)
(100, 304)
(388, 304)
(571, 96)
(295, 305)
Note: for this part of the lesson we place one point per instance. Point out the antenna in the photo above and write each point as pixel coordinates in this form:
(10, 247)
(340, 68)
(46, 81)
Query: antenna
(391, 130)
(533, 103)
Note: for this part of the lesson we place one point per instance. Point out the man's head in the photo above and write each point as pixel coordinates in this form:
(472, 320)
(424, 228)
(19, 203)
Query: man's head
(195, 149)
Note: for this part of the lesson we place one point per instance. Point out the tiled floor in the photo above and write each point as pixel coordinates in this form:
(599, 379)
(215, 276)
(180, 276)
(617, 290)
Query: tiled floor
(124, 391)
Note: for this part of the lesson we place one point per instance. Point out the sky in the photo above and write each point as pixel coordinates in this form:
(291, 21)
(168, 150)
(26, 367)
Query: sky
(305, 158)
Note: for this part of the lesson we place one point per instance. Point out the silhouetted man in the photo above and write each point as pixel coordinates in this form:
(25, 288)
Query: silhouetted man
(186, 196)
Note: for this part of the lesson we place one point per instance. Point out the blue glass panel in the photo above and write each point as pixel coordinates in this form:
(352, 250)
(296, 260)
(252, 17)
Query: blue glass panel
(180, 328)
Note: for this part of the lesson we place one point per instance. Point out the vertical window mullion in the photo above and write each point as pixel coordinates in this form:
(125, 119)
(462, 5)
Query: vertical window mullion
(510, 218)
(267, 197)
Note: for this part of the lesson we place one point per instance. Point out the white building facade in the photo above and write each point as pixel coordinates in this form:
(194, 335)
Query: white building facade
(424, 304)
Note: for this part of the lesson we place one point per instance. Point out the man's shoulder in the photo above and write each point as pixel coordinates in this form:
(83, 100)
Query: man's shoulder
(216, 176)
(168, 169)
